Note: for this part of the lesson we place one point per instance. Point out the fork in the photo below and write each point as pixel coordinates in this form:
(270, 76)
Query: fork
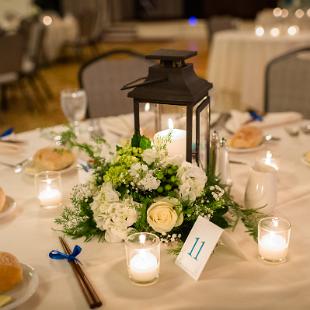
(16, 168)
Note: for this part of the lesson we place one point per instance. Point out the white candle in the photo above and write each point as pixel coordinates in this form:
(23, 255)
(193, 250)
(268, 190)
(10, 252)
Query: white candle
(177, 144)
(143, 266)
(273, 247)
(50, 196)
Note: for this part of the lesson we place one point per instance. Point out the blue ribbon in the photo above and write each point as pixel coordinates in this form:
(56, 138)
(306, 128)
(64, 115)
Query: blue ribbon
(7, 132)
(255, 116)
(70, 257)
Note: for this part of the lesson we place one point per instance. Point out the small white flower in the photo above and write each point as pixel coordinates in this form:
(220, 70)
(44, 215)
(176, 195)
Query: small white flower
(149, 156)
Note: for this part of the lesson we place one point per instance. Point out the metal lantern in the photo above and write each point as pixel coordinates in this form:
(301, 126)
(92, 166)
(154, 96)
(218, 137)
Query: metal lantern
(172, 81)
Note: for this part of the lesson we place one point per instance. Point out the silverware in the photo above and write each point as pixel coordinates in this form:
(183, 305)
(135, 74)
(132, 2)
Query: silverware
(237, 162)
(292, 131)
(270, 137)
(88, 290)
(305, 129)
(16, 168)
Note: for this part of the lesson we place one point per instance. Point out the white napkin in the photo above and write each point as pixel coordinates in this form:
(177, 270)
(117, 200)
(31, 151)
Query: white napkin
(9, 148)
(238, 119)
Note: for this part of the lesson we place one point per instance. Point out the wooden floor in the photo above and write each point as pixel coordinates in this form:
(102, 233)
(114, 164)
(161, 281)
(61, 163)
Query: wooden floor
(45, 113)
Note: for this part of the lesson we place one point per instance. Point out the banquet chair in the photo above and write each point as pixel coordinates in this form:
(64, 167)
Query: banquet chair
(103, 77)
(32, 57)
(220, 23)
(287, 80)
(11, 53)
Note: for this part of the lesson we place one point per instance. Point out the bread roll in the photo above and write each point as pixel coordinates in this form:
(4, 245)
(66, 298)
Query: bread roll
(53, 159)
(246, 137)
(2, 199)
(11, 272)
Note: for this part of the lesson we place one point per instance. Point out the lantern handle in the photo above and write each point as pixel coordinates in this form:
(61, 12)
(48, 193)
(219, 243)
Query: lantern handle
(132, 85)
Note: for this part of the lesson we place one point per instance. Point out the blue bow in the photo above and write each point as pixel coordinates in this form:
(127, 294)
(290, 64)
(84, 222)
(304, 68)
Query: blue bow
(255, 116)
(70, 257)
(7, 132)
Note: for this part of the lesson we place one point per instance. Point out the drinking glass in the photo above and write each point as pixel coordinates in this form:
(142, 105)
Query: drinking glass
(74, 104)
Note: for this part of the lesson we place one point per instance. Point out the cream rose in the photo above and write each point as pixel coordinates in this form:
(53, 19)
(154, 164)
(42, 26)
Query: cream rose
(162, 215)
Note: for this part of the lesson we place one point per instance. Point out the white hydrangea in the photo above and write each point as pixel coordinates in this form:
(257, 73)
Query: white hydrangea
(193, 180)
(143, 178)
(112, 215)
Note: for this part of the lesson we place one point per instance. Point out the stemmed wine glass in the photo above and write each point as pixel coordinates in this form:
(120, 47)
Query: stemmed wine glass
(74, 104)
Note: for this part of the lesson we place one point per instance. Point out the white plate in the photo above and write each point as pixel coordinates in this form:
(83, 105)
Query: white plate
(23, 291)
(9, 207)
(304, 160)
(30, 170)
(246, 150)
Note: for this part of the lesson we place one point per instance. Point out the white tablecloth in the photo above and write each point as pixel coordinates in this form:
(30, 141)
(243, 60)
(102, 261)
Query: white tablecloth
(228, 282)
(237, 65)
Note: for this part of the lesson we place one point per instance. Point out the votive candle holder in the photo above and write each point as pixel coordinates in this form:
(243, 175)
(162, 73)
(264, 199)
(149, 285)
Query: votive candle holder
(143, 258)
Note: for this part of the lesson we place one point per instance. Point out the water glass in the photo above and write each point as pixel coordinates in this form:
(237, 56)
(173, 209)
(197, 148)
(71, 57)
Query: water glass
(74, 104)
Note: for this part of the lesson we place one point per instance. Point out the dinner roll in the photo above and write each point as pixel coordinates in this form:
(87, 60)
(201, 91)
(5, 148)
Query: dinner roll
(53, 159)
(11, 272)
(246, 137)
(2, 199)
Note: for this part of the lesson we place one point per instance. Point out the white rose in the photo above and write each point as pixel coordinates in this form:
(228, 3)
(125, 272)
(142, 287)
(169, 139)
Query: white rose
(149, 156)
(162, 215)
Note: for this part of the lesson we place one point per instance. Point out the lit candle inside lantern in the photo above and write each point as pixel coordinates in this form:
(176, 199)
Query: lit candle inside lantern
(143, 266)
(176, 139)
(50, 196)
(273, 247)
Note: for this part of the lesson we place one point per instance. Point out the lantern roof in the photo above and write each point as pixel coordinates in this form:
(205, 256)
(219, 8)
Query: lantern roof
(171, 81)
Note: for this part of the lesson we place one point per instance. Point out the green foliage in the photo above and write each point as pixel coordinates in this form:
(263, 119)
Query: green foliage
(141, 142)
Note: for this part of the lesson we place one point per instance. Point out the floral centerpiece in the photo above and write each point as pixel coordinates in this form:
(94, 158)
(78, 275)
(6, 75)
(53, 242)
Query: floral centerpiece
(141, 188)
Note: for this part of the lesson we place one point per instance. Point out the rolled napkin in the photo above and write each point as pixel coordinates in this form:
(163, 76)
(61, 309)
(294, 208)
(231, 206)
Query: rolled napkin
(239, 119)
(9, 148)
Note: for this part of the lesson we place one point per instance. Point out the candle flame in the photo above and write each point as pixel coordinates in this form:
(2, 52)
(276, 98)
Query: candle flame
(142, 239)
(147, 107)
(170, 123)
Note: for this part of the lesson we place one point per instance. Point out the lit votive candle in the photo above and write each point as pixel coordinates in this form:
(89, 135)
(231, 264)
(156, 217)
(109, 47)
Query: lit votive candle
(177, 143)
(48, 187)
(273, 239)
(143, 258)
(143, 267)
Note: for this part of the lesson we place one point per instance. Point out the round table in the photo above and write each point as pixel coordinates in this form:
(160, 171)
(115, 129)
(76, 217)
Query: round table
(237, 65)
(229, 281)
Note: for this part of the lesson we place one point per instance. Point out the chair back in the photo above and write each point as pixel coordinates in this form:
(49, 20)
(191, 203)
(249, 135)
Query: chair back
(287, 81)
(34, 46)
(11, 53)
(103, 77)
(220, 23)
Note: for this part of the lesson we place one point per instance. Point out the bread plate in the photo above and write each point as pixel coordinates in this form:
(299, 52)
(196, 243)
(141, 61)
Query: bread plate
(246, 150)
(31, 170)
(23, 291)
(9, 207)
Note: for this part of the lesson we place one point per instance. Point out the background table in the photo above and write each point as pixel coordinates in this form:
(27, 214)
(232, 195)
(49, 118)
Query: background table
(229, 280)
(237, 66)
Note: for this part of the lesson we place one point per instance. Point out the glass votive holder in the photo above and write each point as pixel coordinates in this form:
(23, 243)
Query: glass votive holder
(273, 239)
(143, 258)
(48, 189)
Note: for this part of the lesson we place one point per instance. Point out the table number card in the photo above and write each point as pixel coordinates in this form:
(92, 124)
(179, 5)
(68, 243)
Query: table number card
(198, 247)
